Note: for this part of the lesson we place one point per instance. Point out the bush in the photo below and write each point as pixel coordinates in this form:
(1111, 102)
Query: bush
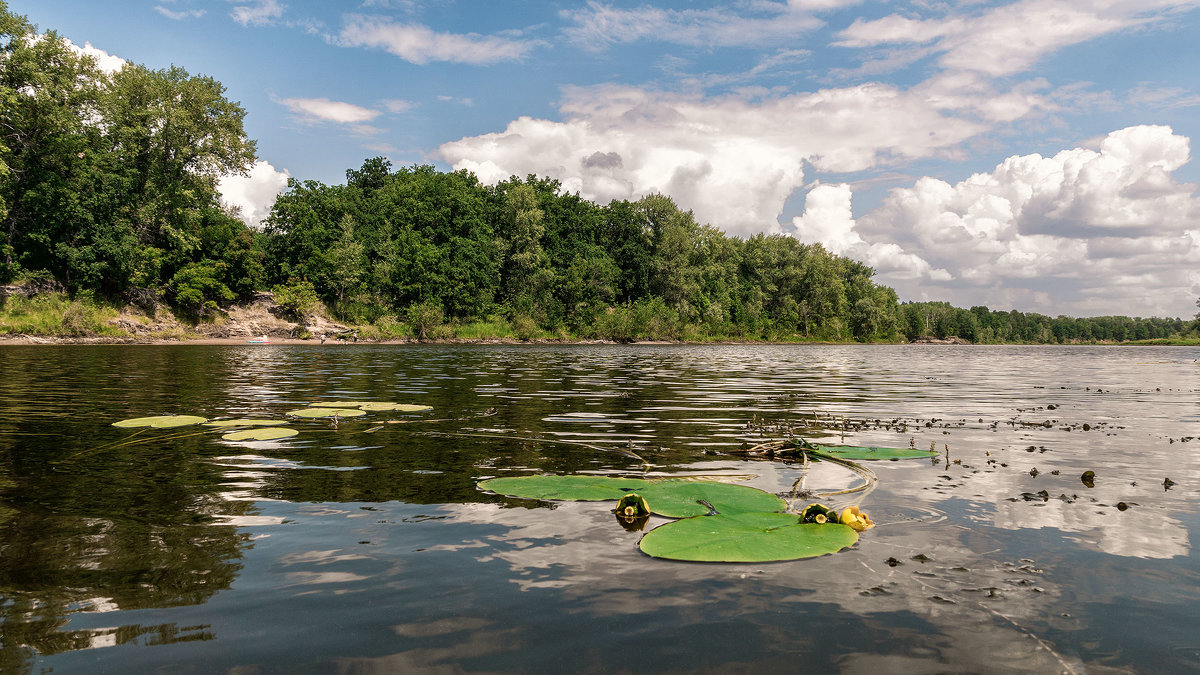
(297, 298)
(424, 317)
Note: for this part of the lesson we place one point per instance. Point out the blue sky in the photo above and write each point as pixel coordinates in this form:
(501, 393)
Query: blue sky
(1032, 155)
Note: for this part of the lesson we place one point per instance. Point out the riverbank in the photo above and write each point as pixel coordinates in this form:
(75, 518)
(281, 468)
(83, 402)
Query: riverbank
(53, 318)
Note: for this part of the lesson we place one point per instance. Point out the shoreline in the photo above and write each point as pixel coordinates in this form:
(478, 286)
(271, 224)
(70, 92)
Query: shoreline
(200, 340)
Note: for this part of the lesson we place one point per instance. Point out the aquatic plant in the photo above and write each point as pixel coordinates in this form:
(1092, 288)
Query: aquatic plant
(715, 522)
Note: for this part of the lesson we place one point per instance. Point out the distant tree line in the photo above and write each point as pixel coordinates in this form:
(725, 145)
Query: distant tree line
(981, 325)
(108, 187)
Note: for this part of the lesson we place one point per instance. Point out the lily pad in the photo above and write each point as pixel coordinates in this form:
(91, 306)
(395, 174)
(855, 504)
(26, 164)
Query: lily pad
(161, 421)
(865, 453)
(326, 412)
(746, 538)
(569, 488)
(394, 407)
(685, 498)
(672, 498)
(338, 404)
(221, 424)
(261, 434)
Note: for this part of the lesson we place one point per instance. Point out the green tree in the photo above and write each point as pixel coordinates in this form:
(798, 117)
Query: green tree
(347, 262)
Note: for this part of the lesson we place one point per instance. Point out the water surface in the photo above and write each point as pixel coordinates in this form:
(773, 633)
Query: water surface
(368, 548)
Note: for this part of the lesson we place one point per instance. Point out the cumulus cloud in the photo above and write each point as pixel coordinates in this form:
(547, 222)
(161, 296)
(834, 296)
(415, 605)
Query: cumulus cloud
(107, 63)
(255, 193)
(258, 13)
(420, 44)
(828, 220)
(313, 110)
(599, 26)
(1082, 232)
(1007, 39)
(734, 160)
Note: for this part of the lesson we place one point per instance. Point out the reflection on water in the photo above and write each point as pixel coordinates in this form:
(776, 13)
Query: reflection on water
(365, 546)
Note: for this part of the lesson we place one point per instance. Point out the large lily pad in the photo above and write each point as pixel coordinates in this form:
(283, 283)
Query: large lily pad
(673, 498)
(866, 453)
(685, 498)
(568, 488)
(260, 434)
(326, 412)
(746, 538)
(221, 424)
(161, 421)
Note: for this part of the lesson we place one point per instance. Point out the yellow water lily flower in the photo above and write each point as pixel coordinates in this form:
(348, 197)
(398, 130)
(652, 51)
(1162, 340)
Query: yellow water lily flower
(632, 505)
(818, 513)
(855, 518)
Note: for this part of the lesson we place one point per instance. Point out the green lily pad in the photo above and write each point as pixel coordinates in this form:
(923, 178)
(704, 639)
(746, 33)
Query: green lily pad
(683, 498)
(394, 407)
(746, 538)
(568, 488)
(864, 453)
(673, 498)
(261, 434)
(326, 412)
(338, 404)
(221, 424)
(161, 421)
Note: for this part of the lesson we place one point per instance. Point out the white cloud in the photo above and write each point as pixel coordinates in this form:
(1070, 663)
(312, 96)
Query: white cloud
(1084, 232)
(600, 26)
(419, 44)
(827, 220)
(734, 160)
(1010, 38)
(313, 110)
(397, 106)
(179, 15)
(107, 63)
(258, 13)
(254, 193)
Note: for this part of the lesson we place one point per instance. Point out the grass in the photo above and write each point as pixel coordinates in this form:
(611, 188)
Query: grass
(56, 315)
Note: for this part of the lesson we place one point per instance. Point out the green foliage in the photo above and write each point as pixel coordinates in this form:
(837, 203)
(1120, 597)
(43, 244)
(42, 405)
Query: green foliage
(109, 182)
(297, 297)
(57, 314)
(424, 317)
(200, 286)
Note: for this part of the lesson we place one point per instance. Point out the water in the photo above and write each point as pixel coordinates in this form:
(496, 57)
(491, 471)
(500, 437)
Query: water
(353, 551)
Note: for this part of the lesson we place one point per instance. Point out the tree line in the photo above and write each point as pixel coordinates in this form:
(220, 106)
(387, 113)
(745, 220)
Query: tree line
(108, 187)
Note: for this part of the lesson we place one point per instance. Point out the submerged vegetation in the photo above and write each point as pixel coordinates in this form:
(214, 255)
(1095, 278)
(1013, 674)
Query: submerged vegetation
(108, 197)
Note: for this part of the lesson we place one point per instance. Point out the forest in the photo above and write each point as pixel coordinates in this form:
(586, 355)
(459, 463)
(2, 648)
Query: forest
(108, 191)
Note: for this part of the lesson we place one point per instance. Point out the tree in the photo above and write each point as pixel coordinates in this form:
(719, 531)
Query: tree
(347, 262)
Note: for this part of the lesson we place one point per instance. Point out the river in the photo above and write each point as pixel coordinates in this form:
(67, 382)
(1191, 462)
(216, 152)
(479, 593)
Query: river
(366, 546)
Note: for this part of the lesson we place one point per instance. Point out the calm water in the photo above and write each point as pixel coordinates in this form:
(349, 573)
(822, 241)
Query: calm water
(361, 551)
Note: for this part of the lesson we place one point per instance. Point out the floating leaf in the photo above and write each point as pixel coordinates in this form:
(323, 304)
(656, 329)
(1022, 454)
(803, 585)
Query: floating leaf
(864, 453)
(338, 404)
(673, 498)
(570, 488)
(326, 412)
(221, 424)
(395, 407)
(261, 434)
(161, 421)
(683, 498)
(745, 537)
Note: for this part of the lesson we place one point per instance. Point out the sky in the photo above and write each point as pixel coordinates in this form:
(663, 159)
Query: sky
(1031, 155)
